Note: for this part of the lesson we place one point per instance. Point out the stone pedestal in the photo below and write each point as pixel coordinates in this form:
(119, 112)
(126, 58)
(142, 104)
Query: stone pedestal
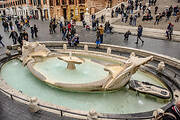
(161, 66)
(92, 115)
(33, 105)
(108, 50)
(86, 48)
(64, 46)
(71, 66)
(71, 61)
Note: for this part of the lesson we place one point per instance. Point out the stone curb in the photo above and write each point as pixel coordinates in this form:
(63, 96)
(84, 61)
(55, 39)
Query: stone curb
(147, 32)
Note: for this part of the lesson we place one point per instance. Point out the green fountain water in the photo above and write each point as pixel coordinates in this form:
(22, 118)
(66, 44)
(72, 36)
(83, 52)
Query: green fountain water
(56, 70)
(118, 102)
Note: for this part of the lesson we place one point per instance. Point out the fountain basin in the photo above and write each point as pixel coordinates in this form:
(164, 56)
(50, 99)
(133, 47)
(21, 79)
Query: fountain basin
(122, 101)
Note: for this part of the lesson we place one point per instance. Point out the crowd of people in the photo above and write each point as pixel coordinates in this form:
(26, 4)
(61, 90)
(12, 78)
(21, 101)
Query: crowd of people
(127, 12)
(67, 29)
(17, 29)
(145, 11)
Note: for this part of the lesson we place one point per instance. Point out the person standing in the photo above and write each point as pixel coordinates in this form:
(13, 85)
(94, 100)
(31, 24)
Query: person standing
(32, 32)
(169, 31)
(11, 25)
(35, 30)
(1, 41)
(98, 42)
(20, 39)
(25, 35)
(101, 30)
(14, 36)
(61, 26)
(157, 19)
(156, 9)
(139, 34)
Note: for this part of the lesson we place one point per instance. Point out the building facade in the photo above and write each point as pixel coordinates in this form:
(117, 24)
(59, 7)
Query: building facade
(35, 8)
(75, 9)
(47, 9)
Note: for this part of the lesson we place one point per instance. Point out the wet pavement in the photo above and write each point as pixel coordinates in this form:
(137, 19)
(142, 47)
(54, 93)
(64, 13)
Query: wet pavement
(165, 47)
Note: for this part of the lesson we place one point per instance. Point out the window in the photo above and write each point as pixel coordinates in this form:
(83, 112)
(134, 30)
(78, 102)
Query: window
(51, 2)
(63, 2)
(81, 1)
(71, 2)
(57, 2)
(44, 1)
(39, 2)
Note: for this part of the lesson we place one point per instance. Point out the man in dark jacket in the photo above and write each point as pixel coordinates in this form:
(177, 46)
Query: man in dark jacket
(35, 30)
(32, 31)
(14, 36)
(139, 34)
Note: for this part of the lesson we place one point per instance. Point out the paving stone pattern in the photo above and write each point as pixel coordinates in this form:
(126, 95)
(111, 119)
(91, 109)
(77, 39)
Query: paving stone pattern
(169, 48)
(13, 110)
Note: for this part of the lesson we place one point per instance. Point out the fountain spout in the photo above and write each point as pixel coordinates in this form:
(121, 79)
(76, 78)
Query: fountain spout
(71, 60)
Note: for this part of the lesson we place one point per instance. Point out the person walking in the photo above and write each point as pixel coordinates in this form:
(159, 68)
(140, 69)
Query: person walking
(14, 36)
(1, 41)
(35, 30)
(101, 31)
(139, 34)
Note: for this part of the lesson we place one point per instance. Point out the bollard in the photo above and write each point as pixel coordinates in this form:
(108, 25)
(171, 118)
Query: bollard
(161, 66)
(19, 50)
(92, 115)
(8, 53)
(132, 54)
(64, 46)
(33, 105)
(108, 50)
(86, 48)
(158, 113)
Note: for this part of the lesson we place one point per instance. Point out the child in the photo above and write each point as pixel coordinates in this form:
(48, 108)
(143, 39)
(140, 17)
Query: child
(126, 35)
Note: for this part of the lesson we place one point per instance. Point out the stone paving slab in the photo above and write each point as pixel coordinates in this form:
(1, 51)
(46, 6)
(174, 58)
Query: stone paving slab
(13, 110)
(147, 32)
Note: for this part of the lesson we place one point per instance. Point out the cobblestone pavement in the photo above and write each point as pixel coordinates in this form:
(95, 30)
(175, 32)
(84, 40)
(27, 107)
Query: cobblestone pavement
(165, 47)
(162, 4)
(13, 110)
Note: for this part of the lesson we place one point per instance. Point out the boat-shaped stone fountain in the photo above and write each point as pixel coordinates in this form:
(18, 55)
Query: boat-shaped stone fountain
(117, 77)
